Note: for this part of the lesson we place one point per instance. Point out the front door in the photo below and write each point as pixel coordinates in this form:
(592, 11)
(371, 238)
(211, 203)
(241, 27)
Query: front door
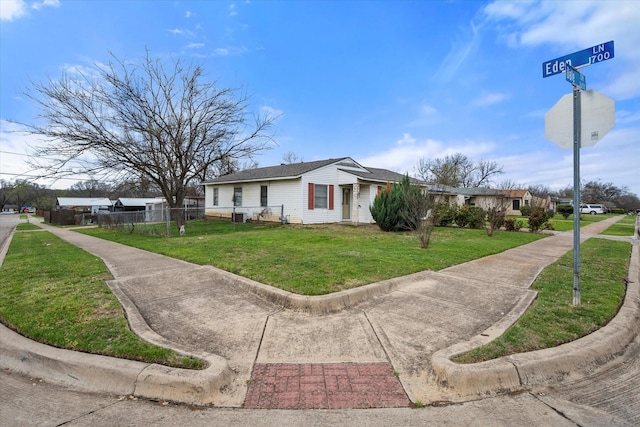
(346, 203)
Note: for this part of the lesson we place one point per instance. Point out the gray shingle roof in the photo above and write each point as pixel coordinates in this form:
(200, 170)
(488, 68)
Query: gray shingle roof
(381, 175)
(295, 170)
(273, 172)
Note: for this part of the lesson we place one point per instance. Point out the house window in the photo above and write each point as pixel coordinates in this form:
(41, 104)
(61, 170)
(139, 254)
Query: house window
(237, 196)
(320, 196)
(263, 196)
(215, 197)
(516, 205)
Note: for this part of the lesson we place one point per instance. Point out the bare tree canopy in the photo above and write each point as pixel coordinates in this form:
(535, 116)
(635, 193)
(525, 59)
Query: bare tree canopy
(457, 170)
(290, 158)
(601, 192)
(167, 125)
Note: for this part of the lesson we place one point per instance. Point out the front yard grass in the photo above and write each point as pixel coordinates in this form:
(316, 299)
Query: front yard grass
(319, 259)
(624, 227)
(55, 293)
(552, 319)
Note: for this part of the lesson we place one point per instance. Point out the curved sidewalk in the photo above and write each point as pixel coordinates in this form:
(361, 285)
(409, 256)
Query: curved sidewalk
(414, 324)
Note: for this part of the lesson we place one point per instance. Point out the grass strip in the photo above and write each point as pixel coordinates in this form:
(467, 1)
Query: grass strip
(55, 293)
(552, 319)
(624, 227)
(318, 260)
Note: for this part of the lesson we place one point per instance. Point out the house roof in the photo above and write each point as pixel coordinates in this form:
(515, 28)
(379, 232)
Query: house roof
(515, 193)
(292, 170)
(465, 191)
(83, 201)
(380, 175)
(295, 170)
(137, 201)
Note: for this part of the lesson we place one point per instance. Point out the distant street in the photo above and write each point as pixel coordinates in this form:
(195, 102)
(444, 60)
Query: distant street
(7, 223)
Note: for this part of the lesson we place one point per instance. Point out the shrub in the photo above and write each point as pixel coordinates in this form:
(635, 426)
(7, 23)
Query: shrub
(443, 214)
(525, 210)
(537, 218)
(477, 217)
(511, 224)
(565, 210)
(472, 216)
(496, 216)
(385, 209)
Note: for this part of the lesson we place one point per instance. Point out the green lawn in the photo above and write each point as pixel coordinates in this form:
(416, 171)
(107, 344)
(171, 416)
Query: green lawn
(552, 319)
(55, 293)
(317, 260)
(624, 227)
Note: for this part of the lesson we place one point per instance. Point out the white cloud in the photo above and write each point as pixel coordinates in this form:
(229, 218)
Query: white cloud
(229, 50)
(404, 155)
(195, 45)
(576, 25)
(12, 9)
(488, 99)
(188, 14)
(176, 31)
(45, 3)
(271, 112)
(458, 55)
(614, 159)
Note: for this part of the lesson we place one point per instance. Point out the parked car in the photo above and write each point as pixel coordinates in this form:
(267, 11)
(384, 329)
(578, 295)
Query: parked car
(591, 209)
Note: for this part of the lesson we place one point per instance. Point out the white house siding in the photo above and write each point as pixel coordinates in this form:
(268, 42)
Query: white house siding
(368, 194)
(282, 196)
(327, 175)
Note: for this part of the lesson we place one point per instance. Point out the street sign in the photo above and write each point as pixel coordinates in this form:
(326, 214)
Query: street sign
(598, 118)
(579, 59)
(577, 79)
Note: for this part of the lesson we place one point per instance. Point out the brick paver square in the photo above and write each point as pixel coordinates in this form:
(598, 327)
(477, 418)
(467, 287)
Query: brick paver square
(324, 385)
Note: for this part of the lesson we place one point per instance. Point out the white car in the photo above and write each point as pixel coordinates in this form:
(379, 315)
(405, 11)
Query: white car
(591, 209)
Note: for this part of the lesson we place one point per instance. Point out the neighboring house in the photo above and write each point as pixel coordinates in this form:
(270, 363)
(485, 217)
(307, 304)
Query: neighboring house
(131, 204)
(10, 209)
(515, 199)
(324, 191)
(484, 198)
(91, 205)
(193, 208)
(471, 196)
(557, 201)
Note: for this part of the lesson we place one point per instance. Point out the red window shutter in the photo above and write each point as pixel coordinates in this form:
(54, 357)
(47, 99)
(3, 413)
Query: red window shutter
(331, 197)
(310, 202)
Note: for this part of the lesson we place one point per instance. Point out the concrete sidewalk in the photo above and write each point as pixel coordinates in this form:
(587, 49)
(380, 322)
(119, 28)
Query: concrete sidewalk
(414, 324)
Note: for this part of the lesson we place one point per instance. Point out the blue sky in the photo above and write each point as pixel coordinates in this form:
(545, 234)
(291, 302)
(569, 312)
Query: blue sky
(383, 82)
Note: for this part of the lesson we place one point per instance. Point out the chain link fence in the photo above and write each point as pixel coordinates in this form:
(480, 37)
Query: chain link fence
(155, 222)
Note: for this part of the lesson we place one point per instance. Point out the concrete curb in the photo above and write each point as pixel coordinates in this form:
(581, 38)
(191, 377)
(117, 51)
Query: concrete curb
(320, 304)
(95, 373)
(519, 371)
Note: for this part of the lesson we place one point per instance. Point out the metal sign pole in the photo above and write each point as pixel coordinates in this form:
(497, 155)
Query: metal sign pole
(576, 195)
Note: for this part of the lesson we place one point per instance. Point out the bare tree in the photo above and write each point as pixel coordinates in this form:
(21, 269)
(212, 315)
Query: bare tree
(290, 158)
(496, 214)
(457, 170)
(602, 192)
(169, 126)
(507, 184)
(540, 190)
